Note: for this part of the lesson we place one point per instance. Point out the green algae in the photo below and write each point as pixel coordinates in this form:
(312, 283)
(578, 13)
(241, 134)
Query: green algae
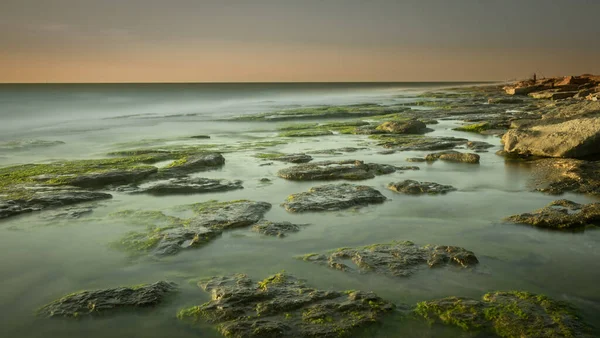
(278, 278)
(305, 133)
(475, 128)
(139, 243)
(146, 217)
(351, 111)
(208, 206)
(507, 314)
(269, 156)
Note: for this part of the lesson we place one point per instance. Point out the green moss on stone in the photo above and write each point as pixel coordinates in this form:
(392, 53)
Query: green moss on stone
(475, 128)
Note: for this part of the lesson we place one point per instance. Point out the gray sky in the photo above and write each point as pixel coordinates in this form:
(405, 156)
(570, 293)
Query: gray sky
(299, 40)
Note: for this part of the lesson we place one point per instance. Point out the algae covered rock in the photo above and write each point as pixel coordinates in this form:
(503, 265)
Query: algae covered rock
(228, 215)
(277, 229)
(561, 215)
(417, 142)
(513, 314)
(403, 127)
(332, 197)
(556, 176)
(396, 259)
(412, 187)
(454, 156)
(107, 301)
(479, 146)
(283, 306)
(188, 185)
(44, 197)
(104, 178)
(193, 163)
(335, 170)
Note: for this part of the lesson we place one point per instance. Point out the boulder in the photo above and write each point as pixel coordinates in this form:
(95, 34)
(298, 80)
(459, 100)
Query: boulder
(283, 306)
(561, 215)
(396, 259)
(553, 94)
(228, 215)
(194, 163)
(103, 302)
(333, 197)
(479, 146)
(411, 187)
(276, 229)
(335, 170)
(574, 138)
(187, 185)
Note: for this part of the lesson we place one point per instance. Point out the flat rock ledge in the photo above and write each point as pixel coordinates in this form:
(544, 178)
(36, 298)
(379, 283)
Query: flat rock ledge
(411, 187)
(453, 156)
(103, 302)
(514, 314)
(352, 170)
(187, 185)
(561, 215)
(331, 197)
(557, 176)
(276, 229)
(46, 197)
(283, 306)
(396, 259)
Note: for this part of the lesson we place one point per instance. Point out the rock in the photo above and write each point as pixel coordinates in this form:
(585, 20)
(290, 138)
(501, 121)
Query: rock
(553, 94)
(418, 143)
(386, 152)
(506, 314)
(333, 197)
(289, 158)
(415, 159)
(108, 301)
(104, 178)
(200, 136)
(40, 198)
(524, 89)
(265, 180)
(335, 170)
(277, 229)
(574, 138)
(505, 100)
(266, 164)
(69, 213)
(396, 259)
(408, 167)
(557, 176)
(336, 151)
(561, 215)
(172, 241)
(188, 185)
(453, 156)
(479, 146)
(419, 188)
(194, 163)
(228, 215)
(408, 127)
(283, 306)
(28, 144)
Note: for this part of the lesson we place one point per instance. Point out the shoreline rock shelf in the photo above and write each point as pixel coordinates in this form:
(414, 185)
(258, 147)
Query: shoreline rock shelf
(561, 215)
(352, 170)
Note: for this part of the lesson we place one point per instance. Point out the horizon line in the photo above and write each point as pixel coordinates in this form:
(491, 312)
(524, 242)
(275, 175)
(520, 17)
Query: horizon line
(252, 82)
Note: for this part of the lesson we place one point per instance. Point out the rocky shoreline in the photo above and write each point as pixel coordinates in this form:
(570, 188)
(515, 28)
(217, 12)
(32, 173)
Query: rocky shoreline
(551, 125)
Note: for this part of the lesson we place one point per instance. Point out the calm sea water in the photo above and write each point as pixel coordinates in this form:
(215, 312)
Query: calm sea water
(41, 261)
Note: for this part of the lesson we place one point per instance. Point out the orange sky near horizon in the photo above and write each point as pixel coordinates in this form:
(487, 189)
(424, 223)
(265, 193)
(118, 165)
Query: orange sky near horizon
(277, 41)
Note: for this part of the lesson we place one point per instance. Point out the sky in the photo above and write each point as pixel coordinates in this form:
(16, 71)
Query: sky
(296, 40)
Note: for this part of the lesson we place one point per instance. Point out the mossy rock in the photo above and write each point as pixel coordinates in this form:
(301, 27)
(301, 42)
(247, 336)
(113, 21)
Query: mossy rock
(475, 128)
(513, 314)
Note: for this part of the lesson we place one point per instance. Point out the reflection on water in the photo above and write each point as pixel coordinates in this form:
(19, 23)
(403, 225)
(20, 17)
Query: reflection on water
(44, 260)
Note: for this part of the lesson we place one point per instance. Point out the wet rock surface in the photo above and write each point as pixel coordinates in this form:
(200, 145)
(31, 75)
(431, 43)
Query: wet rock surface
(557, 176)
(104, 302)
(332, 197)
(403, 127)
(512, 314)
(561, 215)
(291, 158)
(42, 197)
(194, 163)
(453, 156)
(412, 187)
(396, 259)
(187, 185)
(408, 142)
(479, 146)
(228, 215)
(104, 178)
(276, 229)
(283, 306)
(335, 170)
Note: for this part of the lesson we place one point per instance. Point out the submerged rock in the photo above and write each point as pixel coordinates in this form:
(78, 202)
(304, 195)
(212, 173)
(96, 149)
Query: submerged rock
(28, 144)
(514, 314)
(42, 197)
(403, 127)
(335, 170)
(419, 188)
(417, 142)
(453, 156)
(283, 306)
(397, 259)
(561, 215)
(107, 301)
(415, 159)
(574, 138)
(188, 185)
(69, 213)
(103, 178)
(277, 229)
(332, 197)
(336, 151)
(289, 158)
(479, 146)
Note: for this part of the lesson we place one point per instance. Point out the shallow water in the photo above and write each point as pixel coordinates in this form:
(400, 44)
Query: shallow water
(42, 261)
